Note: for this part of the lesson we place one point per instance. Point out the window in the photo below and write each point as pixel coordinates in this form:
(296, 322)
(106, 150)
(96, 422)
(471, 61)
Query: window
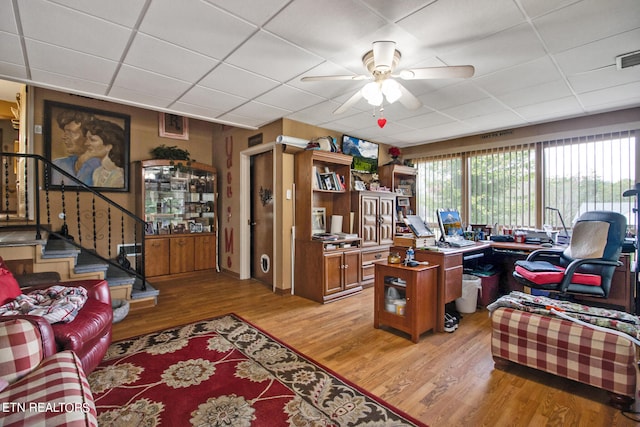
(438, 185)
(589, 173)
(578, 174)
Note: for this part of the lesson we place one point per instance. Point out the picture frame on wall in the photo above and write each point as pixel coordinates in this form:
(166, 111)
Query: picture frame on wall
(173, 126)
(318, 221)
(86, 146)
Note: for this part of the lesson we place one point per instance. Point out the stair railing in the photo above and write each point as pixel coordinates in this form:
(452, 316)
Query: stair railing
(90, 220)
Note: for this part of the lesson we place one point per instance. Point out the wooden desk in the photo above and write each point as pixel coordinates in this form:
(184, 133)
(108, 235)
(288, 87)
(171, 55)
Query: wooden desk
(621, 295)
(449, 273)
(420, 292)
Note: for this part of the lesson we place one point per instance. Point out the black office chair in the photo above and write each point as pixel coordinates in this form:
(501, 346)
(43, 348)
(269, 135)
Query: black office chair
(586, 267)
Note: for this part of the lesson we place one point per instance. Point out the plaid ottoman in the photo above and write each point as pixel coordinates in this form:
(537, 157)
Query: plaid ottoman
(566, 349)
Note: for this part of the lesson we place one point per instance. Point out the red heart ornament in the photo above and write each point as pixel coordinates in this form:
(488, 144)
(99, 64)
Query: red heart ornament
(381, 122)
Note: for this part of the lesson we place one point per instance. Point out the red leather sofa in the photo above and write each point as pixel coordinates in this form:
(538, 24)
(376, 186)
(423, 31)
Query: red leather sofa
(89, 334)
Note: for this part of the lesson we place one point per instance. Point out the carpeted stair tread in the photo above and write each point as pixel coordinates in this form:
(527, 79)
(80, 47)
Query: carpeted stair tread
(58, 248)
(137, 292)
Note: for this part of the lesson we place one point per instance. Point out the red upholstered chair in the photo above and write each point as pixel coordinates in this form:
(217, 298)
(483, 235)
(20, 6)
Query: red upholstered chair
(88, 335)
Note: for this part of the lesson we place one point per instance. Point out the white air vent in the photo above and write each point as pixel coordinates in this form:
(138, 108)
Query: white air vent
(628, 60)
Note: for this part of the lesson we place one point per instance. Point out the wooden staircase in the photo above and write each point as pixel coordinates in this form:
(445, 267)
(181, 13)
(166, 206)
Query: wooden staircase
(24, 254)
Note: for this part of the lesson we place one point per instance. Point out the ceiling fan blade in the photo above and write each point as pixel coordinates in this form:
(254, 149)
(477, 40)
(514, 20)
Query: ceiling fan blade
(349, 102)
(453, 72)
(325, 78)
(408, 100)
(383, 52)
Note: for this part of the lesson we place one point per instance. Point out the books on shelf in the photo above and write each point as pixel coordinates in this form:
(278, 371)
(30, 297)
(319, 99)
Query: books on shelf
(328, 181)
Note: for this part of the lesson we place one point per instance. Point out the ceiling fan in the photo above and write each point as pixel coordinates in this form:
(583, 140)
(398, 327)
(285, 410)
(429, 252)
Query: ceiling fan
(381, 62)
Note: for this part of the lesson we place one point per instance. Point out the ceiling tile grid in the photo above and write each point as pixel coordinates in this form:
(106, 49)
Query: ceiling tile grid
(241, 63)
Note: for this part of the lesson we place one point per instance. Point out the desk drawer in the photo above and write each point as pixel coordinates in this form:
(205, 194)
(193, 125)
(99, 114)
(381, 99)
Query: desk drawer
(369, 257)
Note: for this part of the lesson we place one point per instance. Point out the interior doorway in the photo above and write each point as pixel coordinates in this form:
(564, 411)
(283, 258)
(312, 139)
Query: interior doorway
(261, 217)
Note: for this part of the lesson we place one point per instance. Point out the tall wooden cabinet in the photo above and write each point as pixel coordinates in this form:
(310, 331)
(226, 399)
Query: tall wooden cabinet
(179, 204)
(324, 270)
(374, 221)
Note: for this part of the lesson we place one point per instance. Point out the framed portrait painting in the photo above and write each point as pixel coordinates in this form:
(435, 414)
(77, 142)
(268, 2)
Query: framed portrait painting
(86, 146)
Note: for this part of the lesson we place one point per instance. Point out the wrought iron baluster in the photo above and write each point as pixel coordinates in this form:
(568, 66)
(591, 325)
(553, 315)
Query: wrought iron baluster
(78, 217)
(6, 186)
(93, 215)
(109, 229)
(46, 195)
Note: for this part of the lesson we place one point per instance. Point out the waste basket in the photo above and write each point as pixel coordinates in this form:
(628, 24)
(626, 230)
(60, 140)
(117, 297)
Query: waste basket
(468, 302)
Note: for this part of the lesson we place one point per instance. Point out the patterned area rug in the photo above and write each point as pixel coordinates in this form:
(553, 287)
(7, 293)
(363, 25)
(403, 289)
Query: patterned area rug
(227, 372)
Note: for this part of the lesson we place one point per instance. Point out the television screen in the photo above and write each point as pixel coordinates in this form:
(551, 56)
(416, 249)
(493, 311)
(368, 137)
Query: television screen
(450, 222)
(365, 153)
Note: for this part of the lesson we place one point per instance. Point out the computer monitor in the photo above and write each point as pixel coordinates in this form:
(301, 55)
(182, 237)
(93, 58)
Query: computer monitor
(450, 223)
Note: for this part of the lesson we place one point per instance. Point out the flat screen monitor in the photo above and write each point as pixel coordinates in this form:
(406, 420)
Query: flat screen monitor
(450, 222)
(365, 153)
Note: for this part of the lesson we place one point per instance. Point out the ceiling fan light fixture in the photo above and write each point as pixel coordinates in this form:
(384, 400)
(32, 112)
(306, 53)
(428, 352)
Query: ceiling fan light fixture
(391, 90)
(371, 92)
(383, 52)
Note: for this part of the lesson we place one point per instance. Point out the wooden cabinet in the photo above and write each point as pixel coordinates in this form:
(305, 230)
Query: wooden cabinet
(324, 270)
(341, 271)
(417, 286)
(179, 204)
(374, 222)
(400, 177)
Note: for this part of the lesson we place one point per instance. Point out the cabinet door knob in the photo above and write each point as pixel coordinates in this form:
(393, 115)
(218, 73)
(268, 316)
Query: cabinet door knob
(378, 256)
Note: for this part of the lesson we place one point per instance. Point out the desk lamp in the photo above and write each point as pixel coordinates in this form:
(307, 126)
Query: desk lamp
(565, 239)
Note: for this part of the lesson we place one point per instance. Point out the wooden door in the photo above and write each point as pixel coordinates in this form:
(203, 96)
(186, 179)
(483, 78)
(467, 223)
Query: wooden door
(262, 200)
(333, 270)
(156, 258)
(386, 220)
(182, 254)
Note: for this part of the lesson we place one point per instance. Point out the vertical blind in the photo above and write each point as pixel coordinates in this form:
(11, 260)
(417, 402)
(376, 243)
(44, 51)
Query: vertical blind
(498, 185)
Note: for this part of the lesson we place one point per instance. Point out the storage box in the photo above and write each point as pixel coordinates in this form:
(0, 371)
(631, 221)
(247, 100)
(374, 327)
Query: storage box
(414, 242)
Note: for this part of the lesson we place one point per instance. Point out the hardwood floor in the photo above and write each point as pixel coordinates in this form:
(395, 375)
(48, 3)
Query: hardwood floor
(444, 380)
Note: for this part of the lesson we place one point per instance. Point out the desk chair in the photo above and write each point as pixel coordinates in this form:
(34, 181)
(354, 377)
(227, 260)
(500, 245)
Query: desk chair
(586, 267)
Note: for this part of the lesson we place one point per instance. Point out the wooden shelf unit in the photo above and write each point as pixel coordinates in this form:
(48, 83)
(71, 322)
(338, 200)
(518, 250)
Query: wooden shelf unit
(324, 270)
(393, 176)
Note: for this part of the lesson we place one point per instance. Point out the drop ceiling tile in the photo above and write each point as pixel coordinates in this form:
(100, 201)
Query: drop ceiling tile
(623, 95)
(477, 108)
(150, 83)
(69, 83)
(426, 120)
(12, 71)
(266, 113)
(10, 49)
(160, 57)
(452, 96)
(138, 98)
(307, 23)
(7, 17)
(498, 120)
(316, 114)
(289, 98)
(273, 57)
(61, 26)
(197, 110)
(196, 25)
(539, 71)
(516, 45)
(587, 21)
(565, 107)
(70, 62)
(394, 10)
(446, 26)
(328, 89)
(536, 94)
(241, 121)
(596, 55)
(604, 78)
(236, 81)
(123, 12)
(211, 98)
(256, 12)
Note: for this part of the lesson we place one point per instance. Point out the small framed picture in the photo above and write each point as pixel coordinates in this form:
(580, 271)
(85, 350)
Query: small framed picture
(318, 220)
(149, 228)
(406, 189)
(359, 186)
(403, 201)
(173, 126)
